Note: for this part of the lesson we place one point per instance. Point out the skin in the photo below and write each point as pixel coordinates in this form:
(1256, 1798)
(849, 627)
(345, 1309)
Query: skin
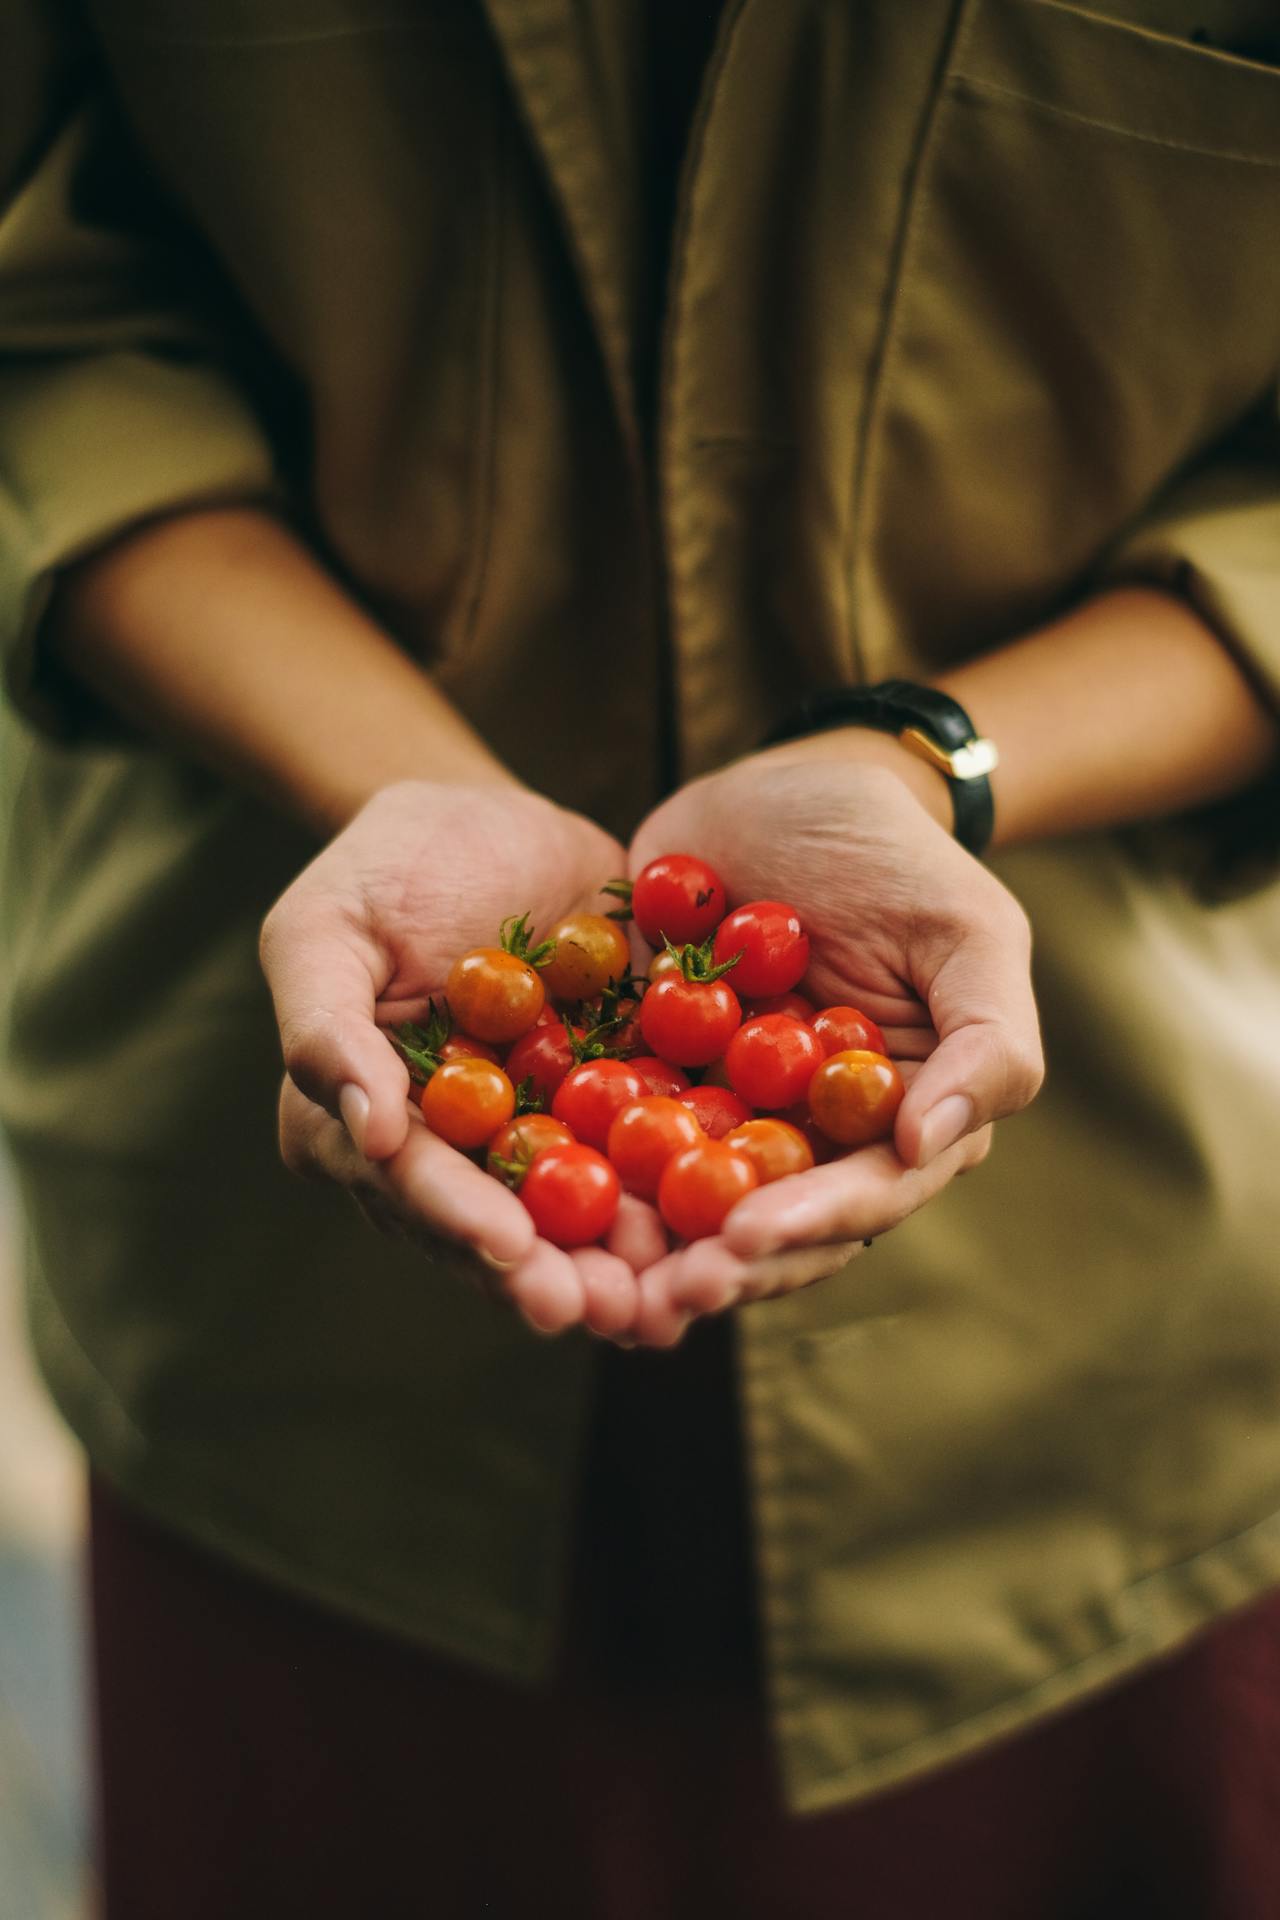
(218, 631)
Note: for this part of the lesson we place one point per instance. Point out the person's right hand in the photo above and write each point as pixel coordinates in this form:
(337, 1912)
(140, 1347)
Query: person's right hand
(358, 943)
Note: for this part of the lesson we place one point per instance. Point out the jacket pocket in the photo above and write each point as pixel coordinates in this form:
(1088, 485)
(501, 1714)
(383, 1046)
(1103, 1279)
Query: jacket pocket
(1088, 300)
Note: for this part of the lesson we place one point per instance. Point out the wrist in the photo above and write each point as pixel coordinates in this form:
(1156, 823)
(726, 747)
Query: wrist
(866, 747)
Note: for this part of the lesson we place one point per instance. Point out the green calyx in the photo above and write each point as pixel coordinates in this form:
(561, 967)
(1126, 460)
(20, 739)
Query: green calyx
(619, 890)
(699, 965)
(514, 937)
(419, 1046)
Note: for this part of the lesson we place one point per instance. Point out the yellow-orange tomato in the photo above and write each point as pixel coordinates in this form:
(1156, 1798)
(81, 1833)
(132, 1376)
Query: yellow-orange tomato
(494, 995)
(518, 1144)
(590, 951)
(466, 1101)
(774, 1147)
(644, 1136)
(854, 1097)
(663, 962)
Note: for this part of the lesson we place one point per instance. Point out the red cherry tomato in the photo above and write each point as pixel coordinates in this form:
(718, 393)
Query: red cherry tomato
(572, 1194)
(520, 1142)
(689, 1021)
(700, 1185)
(466, 1101)
(803, 1121)
(460, 1046)
(793, 1003)
(774, 1147)
(590, 951)
(659, 1075)
(588, 1098)
(844, 1030)
(854, 1097)
(771, 1060)
(494, 994)
(773, 944)
(678, 897)
(542, 1055)
(644, 1136)
(716, 1109)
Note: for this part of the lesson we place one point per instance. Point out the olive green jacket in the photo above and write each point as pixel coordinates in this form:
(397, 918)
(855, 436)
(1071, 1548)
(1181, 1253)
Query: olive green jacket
(973, 305)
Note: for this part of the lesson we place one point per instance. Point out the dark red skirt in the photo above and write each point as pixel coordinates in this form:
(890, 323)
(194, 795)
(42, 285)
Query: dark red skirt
(259, 1756)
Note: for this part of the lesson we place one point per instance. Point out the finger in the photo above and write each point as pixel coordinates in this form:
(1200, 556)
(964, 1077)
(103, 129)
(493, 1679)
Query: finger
(546, 1288)
(611, 1295)
(658, 1322)
(988, 1061)
(781, 1273)
(637, 1234)
(854, 1198)
(325, 976)
(435, 1190)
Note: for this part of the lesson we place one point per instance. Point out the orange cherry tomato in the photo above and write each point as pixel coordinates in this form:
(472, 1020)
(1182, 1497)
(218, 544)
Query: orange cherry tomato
(520, 1141)
(644, 1136)
(774, 1147)
(494, 994)
(700, 1185)
(466, 1101)
(854, 1097)
(663, 962)
(590, 951)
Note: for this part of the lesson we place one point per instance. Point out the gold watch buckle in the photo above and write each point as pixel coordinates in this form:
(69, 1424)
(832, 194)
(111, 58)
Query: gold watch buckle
(969, 762)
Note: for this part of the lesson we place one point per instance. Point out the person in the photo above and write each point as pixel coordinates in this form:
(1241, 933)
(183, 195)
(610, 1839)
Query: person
(441, 444)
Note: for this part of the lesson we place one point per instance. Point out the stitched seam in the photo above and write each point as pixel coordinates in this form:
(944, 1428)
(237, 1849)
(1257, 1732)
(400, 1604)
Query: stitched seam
(868, 435)
(963, 82)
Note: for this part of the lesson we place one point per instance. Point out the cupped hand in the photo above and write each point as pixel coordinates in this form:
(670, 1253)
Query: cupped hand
(903, 924)
(360, 941)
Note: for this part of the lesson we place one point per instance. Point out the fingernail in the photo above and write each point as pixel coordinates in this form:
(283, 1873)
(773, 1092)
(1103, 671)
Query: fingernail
(948, 1121)
(492, 1261)
(353, 1105)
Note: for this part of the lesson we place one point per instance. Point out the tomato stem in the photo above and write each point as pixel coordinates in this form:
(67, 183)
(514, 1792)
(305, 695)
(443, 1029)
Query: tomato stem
(698, 964)
(514, 937)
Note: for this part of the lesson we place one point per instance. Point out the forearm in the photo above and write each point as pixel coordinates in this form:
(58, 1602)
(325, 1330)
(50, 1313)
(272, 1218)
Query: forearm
(1128, 708)
(220, 632)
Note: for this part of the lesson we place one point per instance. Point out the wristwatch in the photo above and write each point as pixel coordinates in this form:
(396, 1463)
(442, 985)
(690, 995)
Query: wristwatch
(927, 723)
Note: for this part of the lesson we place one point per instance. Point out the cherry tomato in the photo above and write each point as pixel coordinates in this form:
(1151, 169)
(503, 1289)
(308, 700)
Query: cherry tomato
(845, 1030)
(521, 1140)
(771, 1060)
(793, 1003)
(699, 1186)
(689, 1021)
(590, 951)
(659, 1075)
(494, 994)
(572, 1194)
(644, 1136)
(803, 1121)
(773, 944)
(663, 962)
(716, 1109)
(466, 1101)
(774, 1147)
(542, 1055)
(588, 1098)
(854, 1096)
(677, 896)
(460, 1046)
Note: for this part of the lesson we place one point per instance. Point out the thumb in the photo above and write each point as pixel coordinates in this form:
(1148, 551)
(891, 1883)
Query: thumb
(324, 981)
(988, 1061)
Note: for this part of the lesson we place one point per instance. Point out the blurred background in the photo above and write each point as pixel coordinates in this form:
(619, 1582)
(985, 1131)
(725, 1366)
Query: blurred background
(43, 1772)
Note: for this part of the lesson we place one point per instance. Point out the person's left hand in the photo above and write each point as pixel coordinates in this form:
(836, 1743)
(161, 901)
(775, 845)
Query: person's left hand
(908, 927)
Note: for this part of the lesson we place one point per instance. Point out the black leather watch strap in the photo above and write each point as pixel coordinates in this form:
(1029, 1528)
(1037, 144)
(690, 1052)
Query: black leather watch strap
(901, 707)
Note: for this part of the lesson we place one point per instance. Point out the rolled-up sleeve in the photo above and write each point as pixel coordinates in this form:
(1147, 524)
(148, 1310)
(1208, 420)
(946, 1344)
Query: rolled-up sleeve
(1214, 540)
(119, 402)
